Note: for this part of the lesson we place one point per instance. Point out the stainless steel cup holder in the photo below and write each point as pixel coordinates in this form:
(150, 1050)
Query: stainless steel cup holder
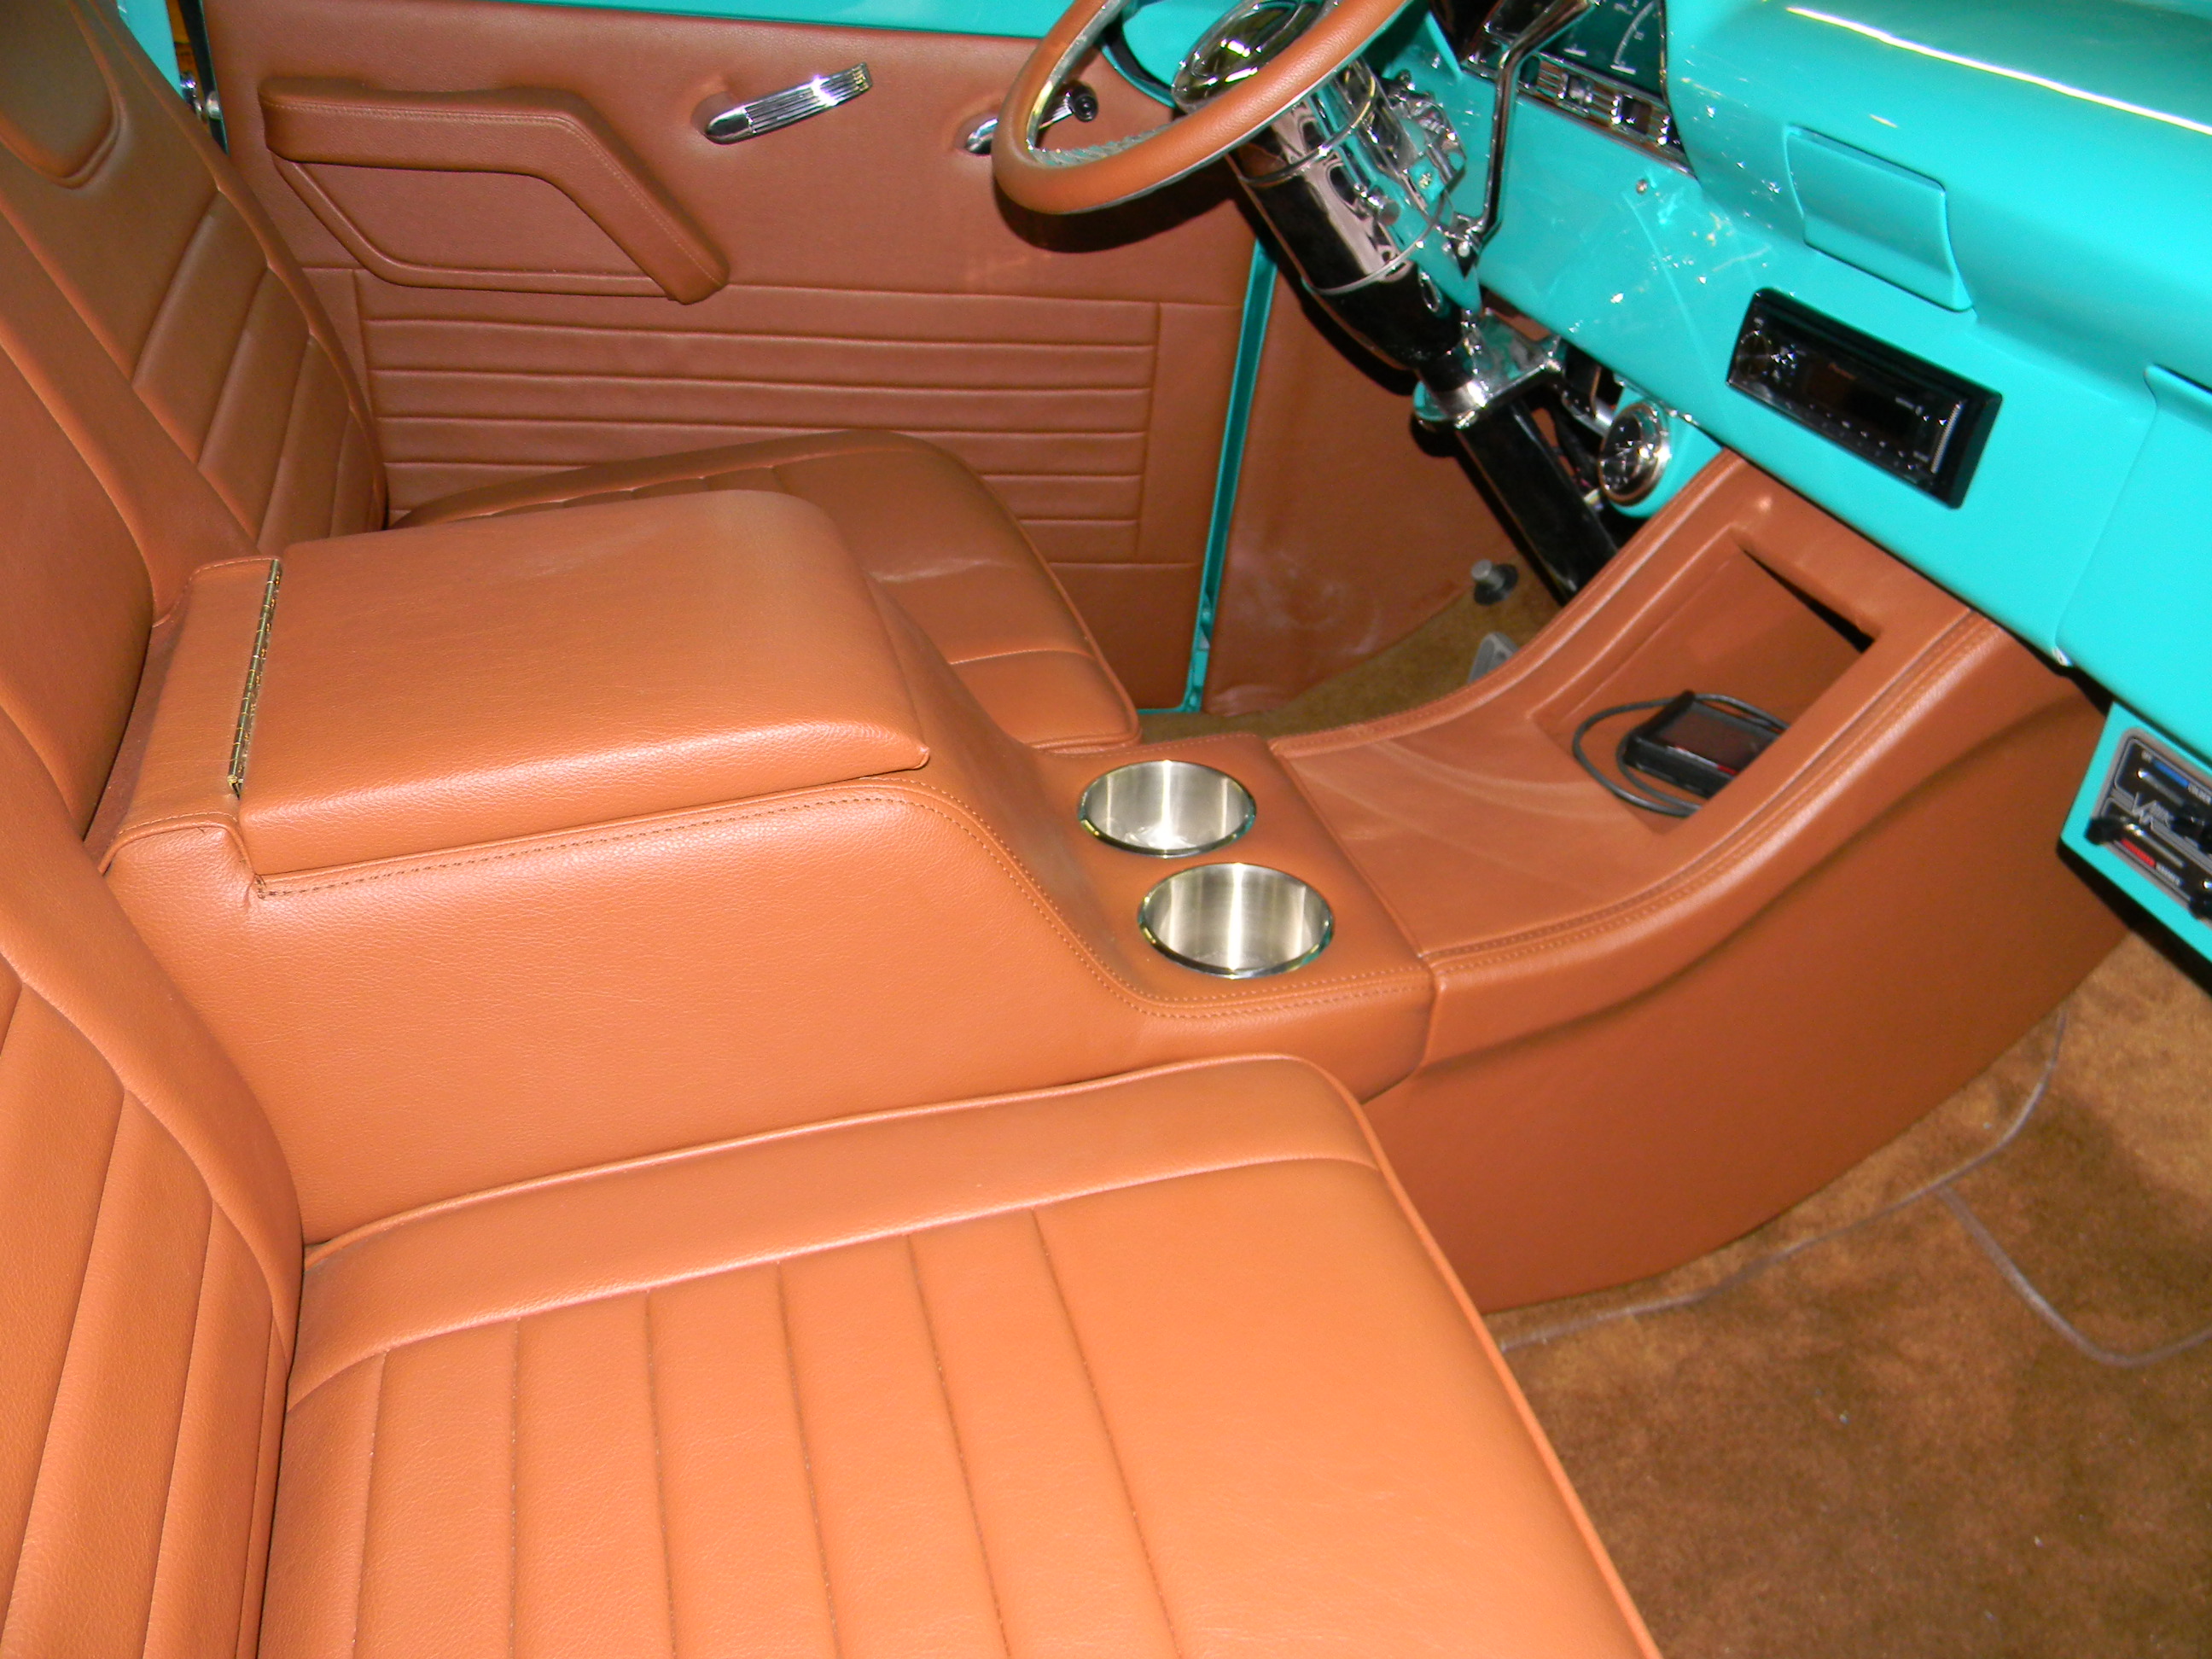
(1167, 809)
(1237, 920)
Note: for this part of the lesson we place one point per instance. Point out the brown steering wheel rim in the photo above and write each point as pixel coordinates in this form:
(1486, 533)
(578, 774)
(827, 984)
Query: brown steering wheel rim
(1103, 175)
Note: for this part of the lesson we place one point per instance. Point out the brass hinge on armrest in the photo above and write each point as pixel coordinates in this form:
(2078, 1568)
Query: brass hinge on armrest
(243, 741)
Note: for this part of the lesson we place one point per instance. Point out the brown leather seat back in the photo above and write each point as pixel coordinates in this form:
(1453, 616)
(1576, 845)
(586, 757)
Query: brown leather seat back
(140, 222)
(76, 600)
(149, 1291)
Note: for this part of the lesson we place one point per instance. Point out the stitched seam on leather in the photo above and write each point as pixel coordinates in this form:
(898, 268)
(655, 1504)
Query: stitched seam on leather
(225, 405)
(935, 429)
(169, 298)
(820, 1128)
(108, 1177)
(276, 1361)
(806, 1452)
(184, 1405)
(790, 384)
(659, 1472)
(27, 987)
(835, 443)
(513, 1482)
(222, 823)
(373, 261)
(288, 462)
(1958, 640)
(1106, 1429)
(1374, 983)
(830, 445)
(959, 1451)
(369, 1502)
(568, 126)
(337, 479)
(1083, 742)
(1075, 652)
(1145, 480)
(307, 348)
(897, 1230)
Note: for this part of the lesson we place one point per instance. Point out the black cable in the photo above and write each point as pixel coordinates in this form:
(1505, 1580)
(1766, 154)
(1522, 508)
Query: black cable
(1666, 806)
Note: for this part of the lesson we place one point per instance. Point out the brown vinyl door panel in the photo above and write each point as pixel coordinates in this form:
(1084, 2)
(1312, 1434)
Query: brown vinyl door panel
(875, 277)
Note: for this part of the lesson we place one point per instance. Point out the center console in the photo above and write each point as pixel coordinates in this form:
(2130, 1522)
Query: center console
(663, 794)
(1652, 1033)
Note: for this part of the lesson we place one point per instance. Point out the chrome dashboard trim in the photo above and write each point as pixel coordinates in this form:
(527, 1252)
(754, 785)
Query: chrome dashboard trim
(1626, 112)
(1547, 25)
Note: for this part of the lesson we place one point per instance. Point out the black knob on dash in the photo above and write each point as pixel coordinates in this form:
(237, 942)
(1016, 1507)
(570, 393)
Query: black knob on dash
(2107, 827)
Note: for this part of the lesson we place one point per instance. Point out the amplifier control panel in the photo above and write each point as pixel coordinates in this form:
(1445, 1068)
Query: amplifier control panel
(2156, 813)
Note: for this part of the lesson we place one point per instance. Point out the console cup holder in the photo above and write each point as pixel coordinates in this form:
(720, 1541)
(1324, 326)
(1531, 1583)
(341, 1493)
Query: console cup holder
(1167, 809)
(1237, 920)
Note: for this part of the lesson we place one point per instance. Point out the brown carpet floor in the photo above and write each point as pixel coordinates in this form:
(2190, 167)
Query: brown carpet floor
(1432, 660)
(1852, 1433)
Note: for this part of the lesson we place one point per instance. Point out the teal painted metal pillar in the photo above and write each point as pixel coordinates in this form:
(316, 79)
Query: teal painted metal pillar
(148, 23)
(1259, 302)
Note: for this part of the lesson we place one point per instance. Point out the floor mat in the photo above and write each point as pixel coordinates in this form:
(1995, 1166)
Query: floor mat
(1432, 660)
(1852, 1433)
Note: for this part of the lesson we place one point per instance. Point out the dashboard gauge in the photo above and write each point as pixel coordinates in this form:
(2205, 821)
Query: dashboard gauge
(1624, 41)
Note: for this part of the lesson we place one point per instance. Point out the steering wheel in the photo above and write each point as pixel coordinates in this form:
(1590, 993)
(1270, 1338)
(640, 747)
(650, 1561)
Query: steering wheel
(1102, 175)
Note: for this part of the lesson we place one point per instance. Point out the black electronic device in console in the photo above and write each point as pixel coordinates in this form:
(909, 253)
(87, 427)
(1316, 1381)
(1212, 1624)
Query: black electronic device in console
(1907, 416)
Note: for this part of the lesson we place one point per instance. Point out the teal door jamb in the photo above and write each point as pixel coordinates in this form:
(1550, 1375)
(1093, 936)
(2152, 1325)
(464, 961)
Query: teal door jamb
(148, 23)
(1258, 301)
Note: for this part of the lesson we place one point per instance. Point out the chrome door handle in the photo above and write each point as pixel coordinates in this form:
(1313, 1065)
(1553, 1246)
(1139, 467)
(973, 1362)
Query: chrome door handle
(1076, 102)
(734, 123)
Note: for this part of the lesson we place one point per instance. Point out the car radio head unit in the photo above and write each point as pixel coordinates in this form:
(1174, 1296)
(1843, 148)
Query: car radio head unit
(1920, 423)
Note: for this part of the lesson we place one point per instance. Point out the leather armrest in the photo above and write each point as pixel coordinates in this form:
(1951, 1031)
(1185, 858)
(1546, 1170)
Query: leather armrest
(535, 131)
(473, 682)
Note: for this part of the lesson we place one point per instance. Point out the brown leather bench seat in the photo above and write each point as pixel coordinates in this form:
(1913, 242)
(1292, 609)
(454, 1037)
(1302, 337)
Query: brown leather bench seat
(1158, 1364)
(1151, 1366)
(140, 278)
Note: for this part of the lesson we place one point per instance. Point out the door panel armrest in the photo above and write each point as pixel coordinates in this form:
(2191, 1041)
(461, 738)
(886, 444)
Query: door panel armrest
(533, 132)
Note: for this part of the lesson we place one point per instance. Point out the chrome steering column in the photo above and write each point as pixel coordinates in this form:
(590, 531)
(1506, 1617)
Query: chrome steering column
(1356, 180)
